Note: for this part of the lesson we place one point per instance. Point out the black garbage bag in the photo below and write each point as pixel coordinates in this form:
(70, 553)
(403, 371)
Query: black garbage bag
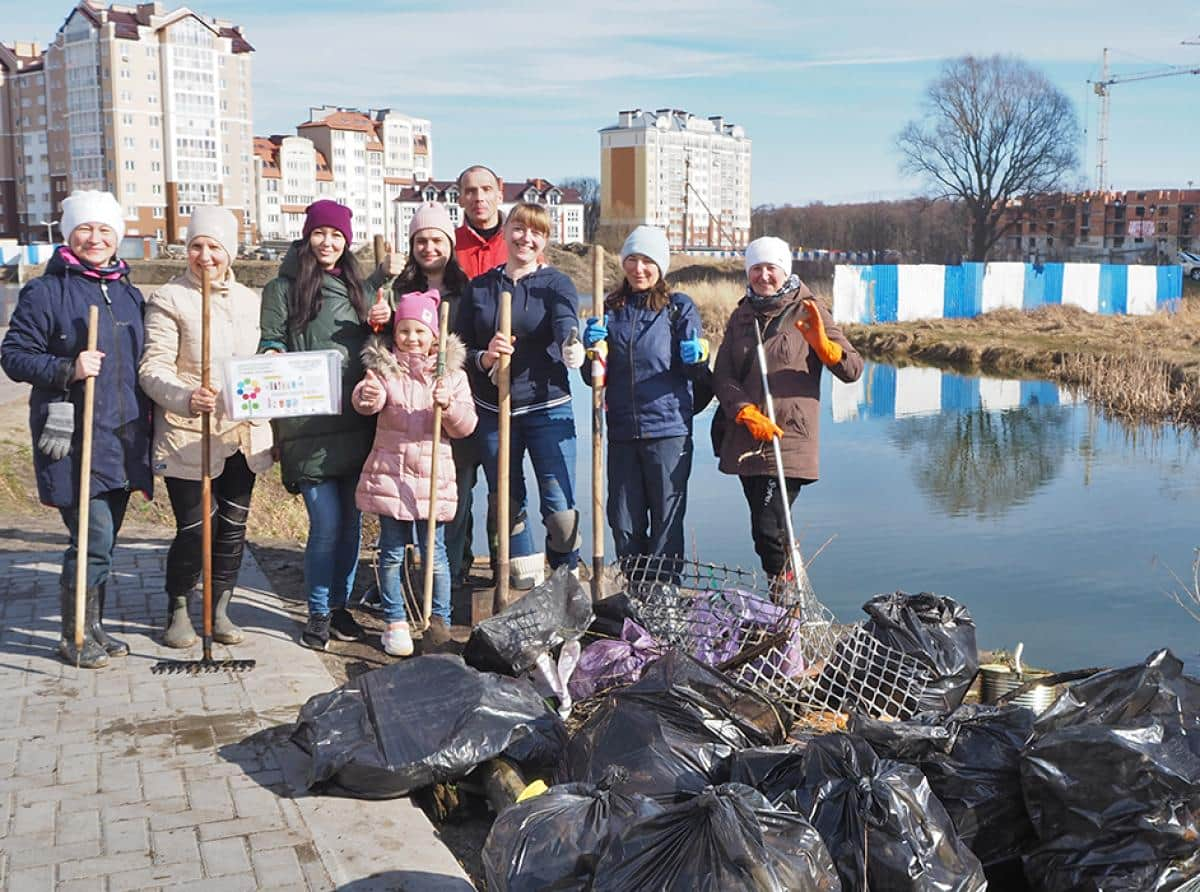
(672, 732)
(881, 823)
(1111, 779)
(553, 841)
(972, 760)
(775, 771)
(422, 721)
(558, 610)
(935, 630)
(724, 838)
(610, 615)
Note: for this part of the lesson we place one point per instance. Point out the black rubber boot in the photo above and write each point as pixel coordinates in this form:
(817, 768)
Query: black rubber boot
(224, 631)
(112, 646)
(92, 655)
(179, 632)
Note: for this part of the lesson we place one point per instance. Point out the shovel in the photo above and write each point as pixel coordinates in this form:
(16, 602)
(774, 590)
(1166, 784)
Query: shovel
(206, 663)
(504, 450)
(431, 527)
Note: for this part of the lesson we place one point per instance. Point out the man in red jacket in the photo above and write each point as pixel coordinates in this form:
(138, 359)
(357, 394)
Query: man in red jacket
(479, 246)
(479, 242)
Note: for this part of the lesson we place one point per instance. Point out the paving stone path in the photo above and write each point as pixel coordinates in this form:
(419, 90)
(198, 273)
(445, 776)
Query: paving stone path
(121, 779)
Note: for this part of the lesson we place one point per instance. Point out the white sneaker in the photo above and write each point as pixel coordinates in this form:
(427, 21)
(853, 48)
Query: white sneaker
(397, 641)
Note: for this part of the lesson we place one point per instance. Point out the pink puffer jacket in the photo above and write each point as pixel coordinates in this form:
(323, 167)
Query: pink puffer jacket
(395, 480)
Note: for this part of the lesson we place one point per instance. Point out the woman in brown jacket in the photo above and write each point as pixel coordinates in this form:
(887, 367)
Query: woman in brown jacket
(799, 338)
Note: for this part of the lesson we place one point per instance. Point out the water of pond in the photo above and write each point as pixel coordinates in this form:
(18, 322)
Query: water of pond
(1053, 526)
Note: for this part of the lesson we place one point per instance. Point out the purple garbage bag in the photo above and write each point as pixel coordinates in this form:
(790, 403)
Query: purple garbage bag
(607, 664)
(728, 622)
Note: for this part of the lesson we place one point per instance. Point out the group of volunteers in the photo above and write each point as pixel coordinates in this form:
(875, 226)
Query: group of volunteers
(376, 454)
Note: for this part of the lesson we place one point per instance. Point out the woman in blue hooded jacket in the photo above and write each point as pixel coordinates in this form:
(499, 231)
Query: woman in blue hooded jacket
(656, 359)
(544, 345)
(46, 346)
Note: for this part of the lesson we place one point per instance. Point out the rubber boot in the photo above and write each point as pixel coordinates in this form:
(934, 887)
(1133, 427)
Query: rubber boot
(527, 572)
(92, 655)
(112, 646)
(438, 633)
(179, 632)
(224, 631)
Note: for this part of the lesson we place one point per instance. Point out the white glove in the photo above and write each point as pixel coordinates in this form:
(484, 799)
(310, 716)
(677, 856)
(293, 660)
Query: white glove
(55, 440)
(573, 351)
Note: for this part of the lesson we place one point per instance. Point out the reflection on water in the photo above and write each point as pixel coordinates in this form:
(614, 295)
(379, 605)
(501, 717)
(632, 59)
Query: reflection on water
(1054, 527)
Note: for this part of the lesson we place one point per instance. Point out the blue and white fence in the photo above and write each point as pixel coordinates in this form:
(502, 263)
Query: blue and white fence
(11, 255)
(881, 293)
(888, 392)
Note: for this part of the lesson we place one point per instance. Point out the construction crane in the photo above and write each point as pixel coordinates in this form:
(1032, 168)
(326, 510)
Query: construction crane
(1101, 88)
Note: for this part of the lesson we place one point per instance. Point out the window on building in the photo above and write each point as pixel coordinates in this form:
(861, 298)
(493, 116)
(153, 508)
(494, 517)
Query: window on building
(129, 165)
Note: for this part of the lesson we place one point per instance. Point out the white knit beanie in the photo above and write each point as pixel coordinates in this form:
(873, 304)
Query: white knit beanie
(92, 206)
(218, 224)
(431, 215)
(649, 241)
(769, 249)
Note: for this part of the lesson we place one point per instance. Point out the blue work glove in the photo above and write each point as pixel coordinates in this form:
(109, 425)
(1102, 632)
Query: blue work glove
(597, 330)
(694, 349)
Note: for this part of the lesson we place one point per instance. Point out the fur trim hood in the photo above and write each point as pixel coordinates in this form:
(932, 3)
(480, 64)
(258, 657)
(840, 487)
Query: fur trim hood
(379, 356)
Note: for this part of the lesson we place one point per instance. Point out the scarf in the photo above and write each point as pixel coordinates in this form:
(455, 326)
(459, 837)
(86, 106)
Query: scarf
(763, 304)
(115, 269)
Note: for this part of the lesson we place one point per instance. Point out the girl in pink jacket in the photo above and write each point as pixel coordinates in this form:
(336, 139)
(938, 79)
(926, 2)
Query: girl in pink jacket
(400, 386)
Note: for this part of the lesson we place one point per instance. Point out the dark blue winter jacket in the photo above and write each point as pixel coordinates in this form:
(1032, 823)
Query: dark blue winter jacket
(545, 308)
(649, 389)
(47, 332)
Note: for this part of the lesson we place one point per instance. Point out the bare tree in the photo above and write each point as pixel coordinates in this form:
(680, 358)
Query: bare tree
(589, 190)
(992, 129)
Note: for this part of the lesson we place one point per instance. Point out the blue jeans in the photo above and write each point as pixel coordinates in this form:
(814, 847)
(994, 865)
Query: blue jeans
(647, 495)
(549, 437)
(106, 512)
(334, 537)
(394, 535)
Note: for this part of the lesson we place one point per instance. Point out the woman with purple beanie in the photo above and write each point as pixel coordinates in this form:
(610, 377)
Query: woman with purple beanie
(320, 301)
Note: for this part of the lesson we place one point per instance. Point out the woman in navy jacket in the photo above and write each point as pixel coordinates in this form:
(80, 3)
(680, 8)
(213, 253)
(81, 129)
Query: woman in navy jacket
(46, 346)
(656, 359)
(544, 344)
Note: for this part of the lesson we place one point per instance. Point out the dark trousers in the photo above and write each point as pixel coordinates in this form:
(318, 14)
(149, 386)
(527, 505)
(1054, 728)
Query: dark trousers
(230, 508)
(468, 462)
(106, 513)
(767, 524)
(647, 495)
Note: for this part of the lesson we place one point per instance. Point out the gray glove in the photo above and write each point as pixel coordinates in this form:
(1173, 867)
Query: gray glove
(55, 440)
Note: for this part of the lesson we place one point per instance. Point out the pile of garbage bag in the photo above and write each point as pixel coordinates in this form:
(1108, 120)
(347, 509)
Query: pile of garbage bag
(1111, 778)
(678, 775)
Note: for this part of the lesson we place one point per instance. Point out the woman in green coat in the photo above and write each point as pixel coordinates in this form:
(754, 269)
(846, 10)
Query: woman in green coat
(319, 302)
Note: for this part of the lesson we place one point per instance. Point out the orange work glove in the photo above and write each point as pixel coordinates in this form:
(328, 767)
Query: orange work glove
(760, 426)
(812, 326)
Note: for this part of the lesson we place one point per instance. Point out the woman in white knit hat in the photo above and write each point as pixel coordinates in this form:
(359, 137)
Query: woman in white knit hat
(800, 339)
(170, 375)
(46, 346)
(657, 379)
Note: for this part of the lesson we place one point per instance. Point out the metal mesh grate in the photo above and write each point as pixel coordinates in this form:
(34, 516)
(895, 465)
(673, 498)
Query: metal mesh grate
(774, 637)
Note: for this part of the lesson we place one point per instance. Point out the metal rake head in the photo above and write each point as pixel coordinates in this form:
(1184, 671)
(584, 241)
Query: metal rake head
(204, 666)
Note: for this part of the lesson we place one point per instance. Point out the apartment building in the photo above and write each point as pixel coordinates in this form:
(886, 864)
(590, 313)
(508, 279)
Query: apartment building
(1144, 225)
(360, 159)
(149, 104)
(686, 174)
(565, 206)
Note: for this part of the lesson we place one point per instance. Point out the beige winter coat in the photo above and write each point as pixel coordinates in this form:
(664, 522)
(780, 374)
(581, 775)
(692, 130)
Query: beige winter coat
(170, 371)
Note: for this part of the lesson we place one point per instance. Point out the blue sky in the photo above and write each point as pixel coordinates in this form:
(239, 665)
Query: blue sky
(822, 91)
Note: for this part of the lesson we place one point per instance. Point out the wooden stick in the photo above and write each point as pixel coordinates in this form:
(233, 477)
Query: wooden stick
(205, 458)
(85, 487)
(431, 524)
(503, 421)
(599, 373)
(379, 248)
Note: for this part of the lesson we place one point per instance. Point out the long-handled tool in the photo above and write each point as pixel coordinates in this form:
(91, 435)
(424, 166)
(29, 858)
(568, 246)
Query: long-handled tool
(504, 438)
(599, 357)
(206, 663)
(85, 488)
(803, 585)
(431, 526)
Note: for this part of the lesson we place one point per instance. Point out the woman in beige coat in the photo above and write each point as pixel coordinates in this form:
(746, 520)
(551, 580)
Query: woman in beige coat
(170, 375)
